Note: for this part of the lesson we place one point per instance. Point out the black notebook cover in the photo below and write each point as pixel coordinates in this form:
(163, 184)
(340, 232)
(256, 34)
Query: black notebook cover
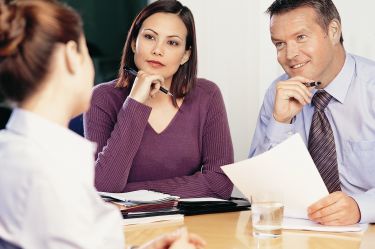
(193, 208)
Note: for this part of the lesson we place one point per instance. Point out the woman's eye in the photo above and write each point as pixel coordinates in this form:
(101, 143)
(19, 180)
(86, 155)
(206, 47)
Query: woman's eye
(173, 43)
(149, 37)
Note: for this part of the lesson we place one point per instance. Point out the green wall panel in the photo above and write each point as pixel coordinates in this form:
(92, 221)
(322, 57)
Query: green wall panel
(106, 24)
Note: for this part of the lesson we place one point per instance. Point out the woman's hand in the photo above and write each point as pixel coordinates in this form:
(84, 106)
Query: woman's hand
(145, 86)
(180, 239)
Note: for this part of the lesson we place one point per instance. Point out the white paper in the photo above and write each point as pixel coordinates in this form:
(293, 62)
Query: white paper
(303, 224)
(140, 196)
(287, 171)
(151, 219)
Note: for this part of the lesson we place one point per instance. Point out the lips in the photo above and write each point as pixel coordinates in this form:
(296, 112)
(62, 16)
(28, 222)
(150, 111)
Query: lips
(299, 65)
(156, 64)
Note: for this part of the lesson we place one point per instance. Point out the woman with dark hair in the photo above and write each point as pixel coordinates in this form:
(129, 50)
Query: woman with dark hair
(47, 197)
(175, 142)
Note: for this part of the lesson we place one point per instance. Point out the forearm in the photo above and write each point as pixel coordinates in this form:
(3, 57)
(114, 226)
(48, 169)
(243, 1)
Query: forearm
(209, 184)
(117, 147)
(268, 134)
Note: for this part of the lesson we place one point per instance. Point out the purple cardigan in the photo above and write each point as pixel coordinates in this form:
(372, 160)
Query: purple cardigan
(184, 159)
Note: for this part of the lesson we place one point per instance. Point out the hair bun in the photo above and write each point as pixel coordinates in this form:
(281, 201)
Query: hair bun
(12, 28)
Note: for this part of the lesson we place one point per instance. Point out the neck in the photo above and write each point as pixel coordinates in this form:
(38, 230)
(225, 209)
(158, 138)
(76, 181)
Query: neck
(48, 106)
(337, 65)
(167, 83)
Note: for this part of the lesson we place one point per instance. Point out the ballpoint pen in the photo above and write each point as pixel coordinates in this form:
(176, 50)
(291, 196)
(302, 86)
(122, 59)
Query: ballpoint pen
(312, 84)
(134, 73)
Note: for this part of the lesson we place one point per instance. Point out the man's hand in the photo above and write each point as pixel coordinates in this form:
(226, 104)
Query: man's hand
(335, 210)
(291, 96)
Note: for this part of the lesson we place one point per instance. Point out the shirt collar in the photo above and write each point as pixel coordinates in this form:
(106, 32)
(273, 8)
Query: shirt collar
(339, 87)
(48, 134)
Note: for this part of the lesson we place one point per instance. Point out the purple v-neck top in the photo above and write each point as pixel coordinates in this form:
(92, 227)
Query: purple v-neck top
(184, 159)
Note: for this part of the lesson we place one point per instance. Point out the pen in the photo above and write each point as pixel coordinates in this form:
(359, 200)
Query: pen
(134, 73)
(312, 84)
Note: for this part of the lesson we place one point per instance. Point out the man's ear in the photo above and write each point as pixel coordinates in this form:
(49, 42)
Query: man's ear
(72, 57)
(334, 31)
(186, 57)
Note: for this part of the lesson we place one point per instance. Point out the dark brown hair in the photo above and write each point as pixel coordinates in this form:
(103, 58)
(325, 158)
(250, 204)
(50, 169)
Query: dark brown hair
(325, 10)
(185, 77)
(29, 32)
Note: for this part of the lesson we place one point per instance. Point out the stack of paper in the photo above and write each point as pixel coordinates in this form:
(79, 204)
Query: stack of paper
(151, 219)
(139, 196)
(141, 201)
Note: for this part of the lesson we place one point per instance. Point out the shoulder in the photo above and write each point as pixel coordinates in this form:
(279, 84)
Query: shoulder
(21, 165)
(206, 97)
(19, 172)
(37, 165)
(362, 61)
(206, 87)
(107, 98)
(108, 90)
(12, 146)
(364, 69)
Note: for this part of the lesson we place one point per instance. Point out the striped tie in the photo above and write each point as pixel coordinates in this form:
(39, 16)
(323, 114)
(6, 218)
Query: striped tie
(321, 143)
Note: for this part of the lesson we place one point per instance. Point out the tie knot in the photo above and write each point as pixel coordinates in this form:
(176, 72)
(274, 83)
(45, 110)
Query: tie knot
(321, 99)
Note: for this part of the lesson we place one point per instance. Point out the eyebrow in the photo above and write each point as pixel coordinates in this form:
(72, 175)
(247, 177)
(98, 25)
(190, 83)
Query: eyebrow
(170, 36)
(301, 31)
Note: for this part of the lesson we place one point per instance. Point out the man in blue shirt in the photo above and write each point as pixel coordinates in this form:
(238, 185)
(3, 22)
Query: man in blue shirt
(307, 36)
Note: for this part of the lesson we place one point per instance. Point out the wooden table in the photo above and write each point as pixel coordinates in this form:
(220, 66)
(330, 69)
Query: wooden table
(233, 231)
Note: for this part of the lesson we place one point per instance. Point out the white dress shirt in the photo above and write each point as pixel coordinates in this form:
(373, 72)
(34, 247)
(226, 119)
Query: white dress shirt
(47, 196)
(351, 114)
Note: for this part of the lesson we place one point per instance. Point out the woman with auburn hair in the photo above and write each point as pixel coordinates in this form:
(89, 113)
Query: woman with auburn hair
(157, 126)
(47, 197)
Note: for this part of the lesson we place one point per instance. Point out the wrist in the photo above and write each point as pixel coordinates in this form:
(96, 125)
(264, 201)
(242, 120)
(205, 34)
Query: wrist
(139, 100)
(357, 211)
(282, 120)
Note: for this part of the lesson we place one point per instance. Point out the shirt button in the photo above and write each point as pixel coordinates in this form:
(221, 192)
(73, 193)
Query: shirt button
(290, 133)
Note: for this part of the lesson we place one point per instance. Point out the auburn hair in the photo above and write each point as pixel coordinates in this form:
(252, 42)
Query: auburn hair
(29, 33)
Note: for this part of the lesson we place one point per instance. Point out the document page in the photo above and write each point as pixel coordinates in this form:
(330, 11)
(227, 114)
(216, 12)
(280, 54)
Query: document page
(302, 224)
(287, 170)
